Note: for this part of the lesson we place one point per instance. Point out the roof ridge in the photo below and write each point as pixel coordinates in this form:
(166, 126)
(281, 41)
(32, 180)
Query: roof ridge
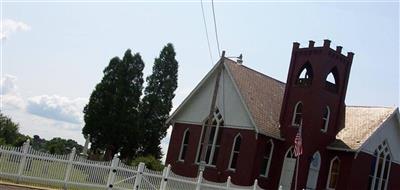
(362, 106)
(262, 94)
(269, 77)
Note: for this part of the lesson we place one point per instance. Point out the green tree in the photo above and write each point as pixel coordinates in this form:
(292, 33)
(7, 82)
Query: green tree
(62, 146)
(8, 130)
(38, 143)
(112, 112)
(150, 161)
(157, 101)
(20, 140)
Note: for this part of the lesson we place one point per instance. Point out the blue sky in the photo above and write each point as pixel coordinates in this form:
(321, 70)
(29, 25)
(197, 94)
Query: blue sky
(54, 53)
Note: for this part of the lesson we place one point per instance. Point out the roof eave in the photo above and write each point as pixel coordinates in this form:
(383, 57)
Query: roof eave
(267, 135)
(341, 149)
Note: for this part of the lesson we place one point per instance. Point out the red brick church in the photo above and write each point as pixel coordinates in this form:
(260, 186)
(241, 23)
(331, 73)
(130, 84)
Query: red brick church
(241, 123)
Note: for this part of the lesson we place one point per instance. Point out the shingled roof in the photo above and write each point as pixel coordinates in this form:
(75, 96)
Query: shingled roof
(360, 123)
(263, 97)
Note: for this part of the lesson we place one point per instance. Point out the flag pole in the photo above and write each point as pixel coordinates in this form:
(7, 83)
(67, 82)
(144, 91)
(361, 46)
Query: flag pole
(297, 172)
(298, 152)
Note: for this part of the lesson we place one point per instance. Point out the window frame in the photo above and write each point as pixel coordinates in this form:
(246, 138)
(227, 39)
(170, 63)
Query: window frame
(233, 152)
(333, 87)
(271, 151)
(217, 116)
(185, 133)
(379, 179)
(295, 113)
(326, 120)
(309, 75)
(336, 158)
(290, 153)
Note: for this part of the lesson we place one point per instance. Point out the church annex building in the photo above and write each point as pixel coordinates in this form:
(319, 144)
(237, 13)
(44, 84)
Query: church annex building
(241, 123)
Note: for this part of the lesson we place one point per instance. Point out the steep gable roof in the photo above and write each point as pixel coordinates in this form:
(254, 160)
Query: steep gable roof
(360, 123)
(262, 95)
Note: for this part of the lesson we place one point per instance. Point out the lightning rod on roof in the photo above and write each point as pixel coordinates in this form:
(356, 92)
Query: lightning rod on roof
(240, 59)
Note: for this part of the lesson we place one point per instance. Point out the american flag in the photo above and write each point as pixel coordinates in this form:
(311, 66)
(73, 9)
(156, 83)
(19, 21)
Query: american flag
(298, 146)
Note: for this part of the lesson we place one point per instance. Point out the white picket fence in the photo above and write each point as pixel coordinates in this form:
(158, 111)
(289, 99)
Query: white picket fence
(25, 165)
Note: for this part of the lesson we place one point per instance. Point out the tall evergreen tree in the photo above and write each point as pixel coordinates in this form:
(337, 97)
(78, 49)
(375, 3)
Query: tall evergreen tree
(157, 101)
(112, 112)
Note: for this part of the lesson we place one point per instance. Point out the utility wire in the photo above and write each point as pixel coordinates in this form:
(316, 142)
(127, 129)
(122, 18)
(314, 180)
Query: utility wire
(205, 26)
(215, 27)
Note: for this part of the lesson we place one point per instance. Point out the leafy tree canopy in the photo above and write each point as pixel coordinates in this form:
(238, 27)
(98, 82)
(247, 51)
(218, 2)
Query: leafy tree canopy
(8, 131)
(150, 161)
(157, 101)
(118, 120)
(112, 112)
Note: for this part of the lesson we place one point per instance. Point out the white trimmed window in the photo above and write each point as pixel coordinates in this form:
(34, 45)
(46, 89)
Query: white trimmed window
(213, 143)
(325, 119)
(235, 152)
(298, 114)
(184, 146)
(380, 168)
(267, 157)
(333, 176)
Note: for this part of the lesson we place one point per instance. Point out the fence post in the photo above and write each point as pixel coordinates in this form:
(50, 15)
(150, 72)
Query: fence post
(164, 181)
(228, 183)
(255, 184)
(113, 171)
(139, 175)
(69, 167)
(22, 163)
(199, 180)
(163, 178)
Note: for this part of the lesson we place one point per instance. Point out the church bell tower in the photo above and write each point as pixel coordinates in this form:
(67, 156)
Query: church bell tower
(315, 94)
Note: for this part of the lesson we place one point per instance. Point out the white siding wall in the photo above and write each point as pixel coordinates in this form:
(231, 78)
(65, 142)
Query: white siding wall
(234, 112)
(389, 131)
(197, 107)
(228, 102)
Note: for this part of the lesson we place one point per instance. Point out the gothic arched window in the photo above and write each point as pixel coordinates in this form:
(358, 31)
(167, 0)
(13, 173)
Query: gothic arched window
(380, 168)
(267, 157)
(332, 80)
(333, 175)
(325, 119)
(213, 142)
(298, 114)
(184, 146)
(305, 76)
(235, 152)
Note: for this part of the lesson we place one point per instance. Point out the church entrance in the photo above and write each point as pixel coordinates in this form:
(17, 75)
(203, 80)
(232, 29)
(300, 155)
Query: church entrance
(288, 169)
(314, 171)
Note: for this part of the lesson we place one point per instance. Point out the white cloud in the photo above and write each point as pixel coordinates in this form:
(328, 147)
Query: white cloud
(57, 108)
(12, 102)
(10, 26)
(30, 124)
(46, 116)
(8, 84)
(9, 95)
